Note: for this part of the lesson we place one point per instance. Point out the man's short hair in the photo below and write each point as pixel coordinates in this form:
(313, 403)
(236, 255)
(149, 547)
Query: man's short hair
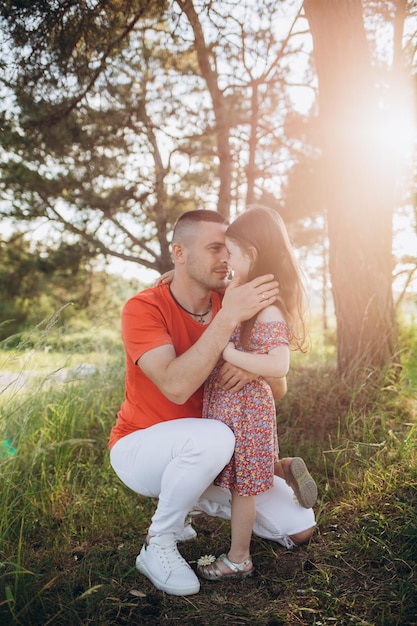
(190, 218)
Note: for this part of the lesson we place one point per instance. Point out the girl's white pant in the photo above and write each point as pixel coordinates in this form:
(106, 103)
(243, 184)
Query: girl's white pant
(176, 461)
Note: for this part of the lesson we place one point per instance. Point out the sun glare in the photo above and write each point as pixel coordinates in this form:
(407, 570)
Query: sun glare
(398, 134)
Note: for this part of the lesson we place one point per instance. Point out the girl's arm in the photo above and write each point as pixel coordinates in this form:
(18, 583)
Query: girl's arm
(278, 386)
(275, 364)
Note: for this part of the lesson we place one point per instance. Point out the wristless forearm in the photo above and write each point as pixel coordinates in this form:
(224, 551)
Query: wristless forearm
(266, 365)
(189, 371)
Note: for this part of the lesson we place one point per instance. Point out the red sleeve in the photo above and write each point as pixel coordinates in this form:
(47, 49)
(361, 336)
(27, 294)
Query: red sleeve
(143, 327)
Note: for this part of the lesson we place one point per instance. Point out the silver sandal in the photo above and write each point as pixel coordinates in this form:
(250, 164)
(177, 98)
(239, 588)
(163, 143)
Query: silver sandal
(211, 571)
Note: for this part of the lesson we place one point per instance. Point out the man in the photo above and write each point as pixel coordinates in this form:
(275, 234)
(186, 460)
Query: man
(160, 446)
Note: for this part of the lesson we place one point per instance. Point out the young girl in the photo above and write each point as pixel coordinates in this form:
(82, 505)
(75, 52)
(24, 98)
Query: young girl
(257, 243)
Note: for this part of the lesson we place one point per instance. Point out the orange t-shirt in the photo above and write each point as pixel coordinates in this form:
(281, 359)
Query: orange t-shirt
(149, 320)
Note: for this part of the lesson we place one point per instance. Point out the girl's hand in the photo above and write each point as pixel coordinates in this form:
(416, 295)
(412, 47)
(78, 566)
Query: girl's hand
(165, 279)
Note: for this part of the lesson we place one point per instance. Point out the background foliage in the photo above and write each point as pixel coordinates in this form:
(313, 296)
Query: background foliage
(118, 116)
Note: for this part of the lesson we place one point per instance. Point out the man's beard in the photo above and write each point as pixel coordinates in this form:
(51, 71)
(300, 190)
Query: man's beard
(210, 279)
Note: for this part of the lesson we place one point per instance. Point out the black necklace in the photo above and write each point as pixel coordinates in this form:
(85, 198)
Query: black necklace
(200, 316)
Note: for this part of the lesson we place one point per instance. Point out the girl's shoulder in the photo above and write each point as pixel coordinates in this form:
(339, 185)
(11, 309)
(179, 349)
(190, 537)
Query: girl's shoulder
(270, 314)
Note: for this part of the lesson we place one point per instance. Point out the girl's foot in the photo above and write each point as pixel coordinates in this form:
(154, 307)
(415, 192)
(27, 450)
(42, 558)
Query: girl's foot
(222, 568)
(297, 476)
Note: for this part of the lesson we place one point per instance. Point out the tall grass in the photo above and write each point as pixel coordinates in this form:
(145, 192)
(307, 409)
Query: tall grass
(70, 530)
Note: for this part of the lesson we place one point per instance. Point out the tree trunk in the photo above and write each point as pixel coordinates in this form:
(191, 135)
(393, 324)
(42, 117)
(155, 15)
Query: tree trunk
(358, 185)
(253, 143)
(220, 108)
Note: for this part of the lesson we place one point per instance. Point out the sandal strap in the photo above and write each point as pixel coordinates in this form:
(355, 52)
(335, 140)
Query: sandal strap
(235, 567)
(211, 571)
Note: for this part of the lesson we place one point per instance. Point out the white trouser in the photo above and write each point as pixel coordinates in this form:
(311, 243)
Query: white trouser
(177, 461)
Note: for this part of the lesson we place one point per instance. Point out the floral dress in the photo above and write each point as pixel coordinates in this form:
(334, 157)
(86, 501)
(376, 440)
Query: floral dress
(251, 414)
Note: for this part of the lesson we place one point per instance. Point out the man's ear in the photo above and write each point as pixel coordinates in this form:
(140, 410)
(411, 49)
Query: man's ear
(178, 253)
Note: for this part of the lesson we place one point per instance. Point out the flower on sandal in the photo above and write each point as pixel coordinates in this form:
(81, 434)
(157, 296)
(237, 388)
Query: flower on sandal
(207, 559)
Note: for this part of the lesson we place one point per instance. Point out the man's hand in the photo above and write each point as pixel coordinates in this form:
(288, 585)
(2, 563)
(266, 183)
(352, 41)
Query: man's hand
(233, 378)
(241, 302)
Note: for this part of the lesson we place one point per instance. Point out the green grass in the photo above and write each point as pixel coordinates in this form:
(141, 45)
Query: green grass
(70, 531)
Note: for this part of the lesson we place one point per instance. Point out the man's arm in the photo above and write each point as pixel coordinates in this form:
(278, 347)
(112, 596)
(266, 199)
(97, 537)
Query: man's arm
(178, 377)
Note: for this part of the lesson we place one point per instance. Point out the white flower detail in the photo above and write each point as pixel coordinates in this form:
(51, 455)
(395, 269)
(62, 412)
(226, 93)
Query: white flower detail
(207, 559)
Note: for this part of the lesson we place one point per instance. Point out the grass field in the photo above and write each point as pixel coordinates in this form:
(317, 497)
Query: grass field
(70, 531)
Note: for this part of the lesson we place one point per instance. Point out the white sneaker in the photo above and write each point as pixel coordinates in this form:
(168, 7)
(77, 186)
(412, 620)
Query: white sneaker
(161, 562)
(188, 533)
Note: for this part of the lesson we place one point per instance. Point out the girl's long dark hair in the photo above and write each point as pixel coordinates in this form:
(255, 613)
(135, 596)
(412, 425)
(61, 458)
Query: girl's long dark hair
(263, 229)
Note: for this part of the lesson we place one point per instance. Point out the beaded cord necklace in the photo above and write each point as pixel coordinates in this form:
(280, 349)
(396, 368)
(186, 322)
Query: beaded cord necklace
(200, 316)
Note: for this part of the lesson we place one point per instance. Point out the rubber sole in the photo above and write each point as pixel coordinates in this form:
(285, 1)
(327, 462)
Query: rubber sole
(183, 591)
(299, 479)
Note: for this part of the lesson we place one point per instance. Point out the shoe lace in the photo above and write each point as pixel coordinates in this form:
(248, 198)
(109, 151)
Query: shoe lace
(170, 557)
